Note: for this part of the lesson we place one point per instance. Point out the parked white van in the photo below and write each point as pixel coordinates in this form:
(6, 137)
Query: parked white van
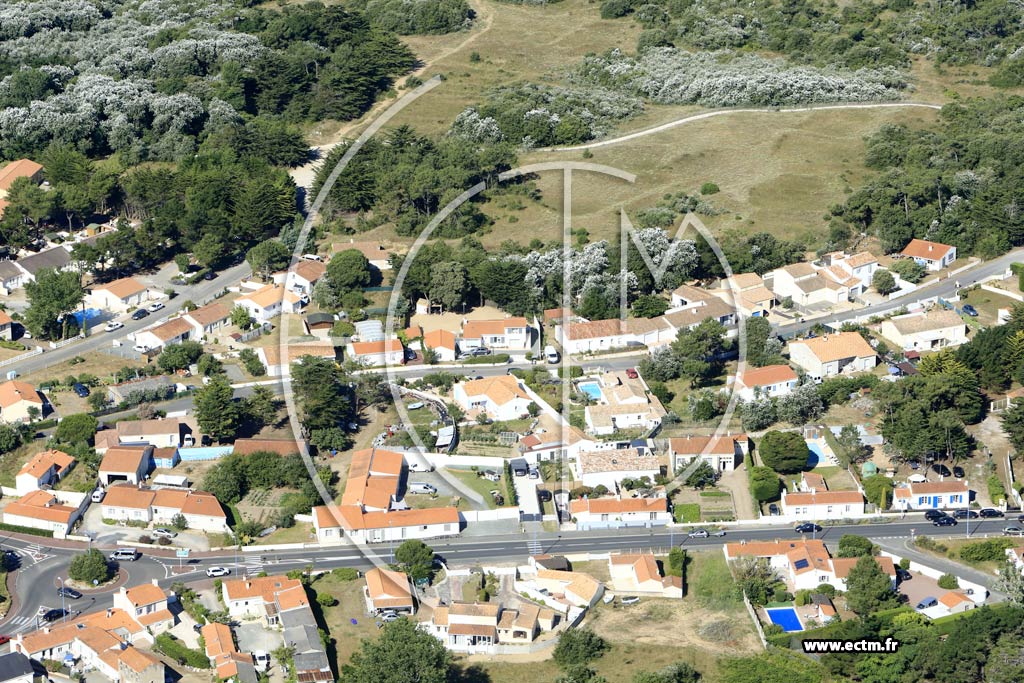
(551, 354)
(422, 487)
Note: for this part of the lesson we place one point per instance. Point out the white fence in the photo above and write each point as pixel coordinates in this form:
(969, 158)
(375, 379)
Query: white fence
(977, 592)
(17, 359)
(489, 515)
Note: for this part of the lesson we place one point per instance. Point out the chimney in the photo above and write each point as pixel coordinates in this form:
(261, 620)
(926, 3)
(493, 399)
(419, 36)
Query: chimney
(110, 612)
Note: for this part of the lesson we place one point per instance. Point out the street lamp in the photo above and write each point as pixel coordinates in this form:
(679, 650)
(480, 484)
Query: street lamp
(63, 607)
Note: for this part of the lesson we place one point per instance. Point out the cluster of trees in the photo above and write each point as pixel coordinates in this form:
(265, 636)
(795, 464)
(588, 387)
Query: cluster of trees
(233, 476)
(52, 297)
(223, 418)
(341, 287)
(327, 396)
(151, 81)
(697, 354)
(417, 17)
(806, 403)
(955, 182)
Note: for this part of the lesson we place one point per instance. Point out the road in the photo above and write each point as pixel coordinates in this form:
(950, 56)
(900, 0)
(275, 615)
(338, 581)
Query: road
(43, 566)
(199, 292)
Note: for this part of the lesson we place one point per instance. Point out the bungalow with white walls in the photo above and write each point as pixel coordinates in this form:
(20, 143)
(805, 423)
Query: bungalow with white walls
(271, 357)
(268, 302)
(617, 512)
(148, 603)
(832, 354)
(388, 590)
(45, 468)
(722, 453)
(304, 275)
(119, 296)
(507, 334)
(608, 467)
(808, 286)
(159, 432)
(553, 441)
(207, 319)
(861, 265)
(500, 397)
(55, 511)
(173, 331)
(937, 328)
(333, 524)
(805, 563)
(621, 402)
(17, 399)
(595, 335)
(932, 495)
(125, 463)
(443, 343)
(748, 293)
(769, 381)
(384, 352)
(931, 255)
(818, 504)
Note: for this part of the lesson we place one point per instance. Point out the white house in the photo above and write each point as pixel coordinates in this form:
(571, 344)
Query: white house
(332, 524)
(511, 334)
(268, 302)
(173, 331)
(722, 453)
(861, 265)
(595, 335)
(769, 381)
(480, 628)
(930, 330)
(160, 506)
(384, 352)
(931, 255)
(57, 258)
(815, 505)
(388, 590)
(500, 397)
(807, 285)
(608, 467)
(832, 354)
(127, 464)
(271, 357)
(55, 511)
(45, 468)
(207, 319)
(119, 296)
(805, 563)
(159, 432)
(147, 603)
(443, 343)
(304, 275)
(932, 495)
(14, 666)
(639, 573)
(749, 293)
(553, 441)
(620, 402)
(617, 512)
(257, 596)
(17, 399)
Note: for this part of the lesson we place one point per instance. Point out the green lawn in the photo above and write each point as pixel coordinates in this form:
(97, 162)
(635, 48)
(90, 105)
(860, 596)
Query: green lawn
(481, 485)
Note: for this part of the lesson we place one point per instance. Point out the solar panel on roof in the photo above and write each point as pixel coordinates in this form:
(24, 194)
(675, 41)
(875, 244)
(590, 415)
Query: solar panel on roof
(802, 564)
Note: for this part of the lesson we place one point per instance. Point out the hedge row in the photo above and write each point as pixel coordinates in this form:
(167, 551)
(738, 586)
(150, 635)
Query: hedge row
(179, 652)
(26, 530)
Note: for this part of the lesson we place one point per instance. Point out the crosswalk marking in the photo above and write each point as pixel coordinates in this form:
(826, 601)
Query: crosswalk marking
(534, 547)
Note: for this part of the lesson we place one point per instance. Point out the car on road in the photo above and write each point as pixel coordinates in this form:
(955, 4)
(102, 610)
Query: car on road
(958, 472)
(970, 310)
(926, 603)
(698, 533)
(139, 314)
(80, 389)
(630, 600)
(807, 528)
(941, 470)
(113, 325)
(966, 514)
(719, 533)
(217, 571)
(164, 533)
(125, 554)
(4, 640)
(932, 515)
(945, 521)
(70, 593)
(632, 373)
(990, 513)
(1013, 531)
(210, 275)
(155, 306)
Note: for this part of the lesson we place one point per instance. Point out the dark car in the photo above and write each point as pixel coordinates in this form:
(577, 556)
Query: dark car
(926, 603)
(958, 472)
(543, 495)
(903, 575)
(480, 351)
(944, 521)
(773, 509)
(54, 614)
(71, 593)
(966, 514)
(80, 389)
(991, 513)
(807, 528)
(210, 275)
(970, 310)
(933, 515)
(140, 314)
(941, 470)
(914, 464)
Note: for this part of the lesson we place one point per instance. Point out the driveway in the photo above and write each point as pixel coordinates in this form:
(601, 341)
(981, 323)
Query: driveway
(92, 522)
(526, 491)
(253, 637)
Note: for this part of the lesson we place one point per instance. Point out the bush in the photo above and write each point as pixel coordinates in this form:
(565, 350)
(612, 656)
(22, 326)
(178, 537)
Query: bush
(996, 491)
(764, 484)
(772, 630)
(253, 365)
(826, 589)
(930, 544)
(496, 358)
(179, 652)
(784, 452)
(708, 188)
(90, 567)
(949, 582)
(326, 599)
(989, 550)
(346, 573)
(578, 647)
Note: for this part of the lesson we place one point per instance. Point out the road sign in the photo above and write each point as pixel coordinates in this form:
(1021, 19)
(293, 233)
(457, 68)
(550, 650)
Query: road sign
(182, 552)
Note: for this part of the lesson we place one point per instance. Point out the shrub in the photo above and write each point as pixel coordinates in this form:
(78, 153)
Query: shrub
(89, 567)
(996, 491)
(989, 550)
(764, 484)
(179, 652)
(578, 647)
(949, 582)
(346, 573)
(326, 599)
(772, 630)
(826, 589)
(708, 188)
(253, 365)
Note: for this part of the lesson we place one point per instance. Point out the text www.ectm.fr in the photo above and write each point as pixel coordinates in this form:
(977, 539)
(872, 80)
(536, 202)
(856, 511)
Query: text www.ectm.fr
(831, 646)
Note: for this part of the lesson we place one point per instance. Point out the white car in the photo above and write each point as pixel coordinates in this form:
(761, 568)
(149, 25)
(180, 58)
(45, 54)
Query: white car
(164, 533)
(217, 571)
(155, 306)
(113, 325)
(141, 348)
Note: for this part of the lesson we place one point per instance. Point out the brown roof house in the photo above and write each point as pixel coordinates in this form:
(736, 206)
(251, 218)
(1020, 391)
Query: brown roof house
(17, 399)
(119, 296)
(45, 468)
(128, 464)
(931, 255)
(640, 573)
(833, 354)
(388, 590)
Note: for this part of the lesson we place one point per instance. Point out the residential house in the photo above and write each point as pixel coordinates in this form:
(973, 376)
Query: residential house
(304, 275)
(207, 319)
(124, 463)
(955, 602)
(57, 258)
(44, 469)
(229, 663)
(173, 331)
(271, 356)
(320, 325)
(389, 591)
(6, 324)
(809, 286)
(861, 265)
(595, 335)
(268, 302)
(11, 276)
(769, 381)
(804, 563)
(257, 445)
(17, 401)
(553, 441)
(511, 334)
(617, 512)
(932, 495)
(55, 511)
(930, 330)
(722, 453)
(575, 589)
(374, 479)
(383, 352)
(21, 168)
(1016, 555)
(17, 668)
(301, 635)
(119, 296)
(148, 604)
(748, 293)
(200, 509)
(620, 402)
(478, 628)
(376, 253)
(931, 255)
(333, 523)
(822, 504)
(500, 397)
(692, 305)
(443, 343)
(640, 573)
(608, 467)
(159, 432)
(832, 354)
(257, 596)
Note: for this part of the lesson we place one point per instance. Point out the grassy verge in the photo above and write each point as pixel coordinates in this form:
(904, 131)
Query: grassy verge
(479, 484)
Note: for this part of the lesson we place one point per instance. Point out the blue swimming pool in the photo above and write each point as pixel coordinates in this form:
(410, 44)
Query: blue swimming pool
(591, 389)
(815, 456)
(785, 617)
(87, 314)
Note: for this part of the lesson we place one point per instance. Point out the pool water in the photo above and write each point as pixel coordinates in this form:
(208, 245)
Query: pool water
(591, 389)
(785, 617)
(815, 456)
(87, 314)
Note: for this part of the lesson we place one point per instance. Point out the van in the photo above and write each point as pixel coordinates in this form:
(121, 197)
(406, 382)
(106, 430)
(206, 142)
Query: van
(630, 600)
(311, 257)
(551, 354)
(261, 660)
(416, 466)
(422, 487)
(125, 554)
(97, 495)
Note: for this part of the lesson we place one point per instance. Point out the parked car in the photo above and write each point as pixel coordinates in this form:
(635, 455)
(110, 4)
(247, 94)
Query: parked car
(210, 275)
(698, 533)
(926, 603)
(1013, 531)
(70, 593)
(80, 389)
(113, 325)
(990, 513)
(807, 528)
(632, 373)
(773, 509)
(719, 533)
(422, 487)
(970, 310)
(932, 515)
(966, 514)
(261, 660)
(4, 640)
(480, 351)
(389, 616)
(155, 306)
(164, 533)
(534, 473)
(903, 574)
(543, 495)
(630, 600)
(914, 464)
(139, 314)
(125, 554)
(958, 472)
(945, 521)
(141, 348)
(217, 571)
(941, 470)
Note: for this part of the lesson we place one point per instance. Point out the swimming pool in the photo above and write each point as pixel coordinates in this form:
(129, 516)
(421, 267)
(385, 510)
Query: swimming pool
(815, 456)
(785, 617)
(591, 389)
(87, 314)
